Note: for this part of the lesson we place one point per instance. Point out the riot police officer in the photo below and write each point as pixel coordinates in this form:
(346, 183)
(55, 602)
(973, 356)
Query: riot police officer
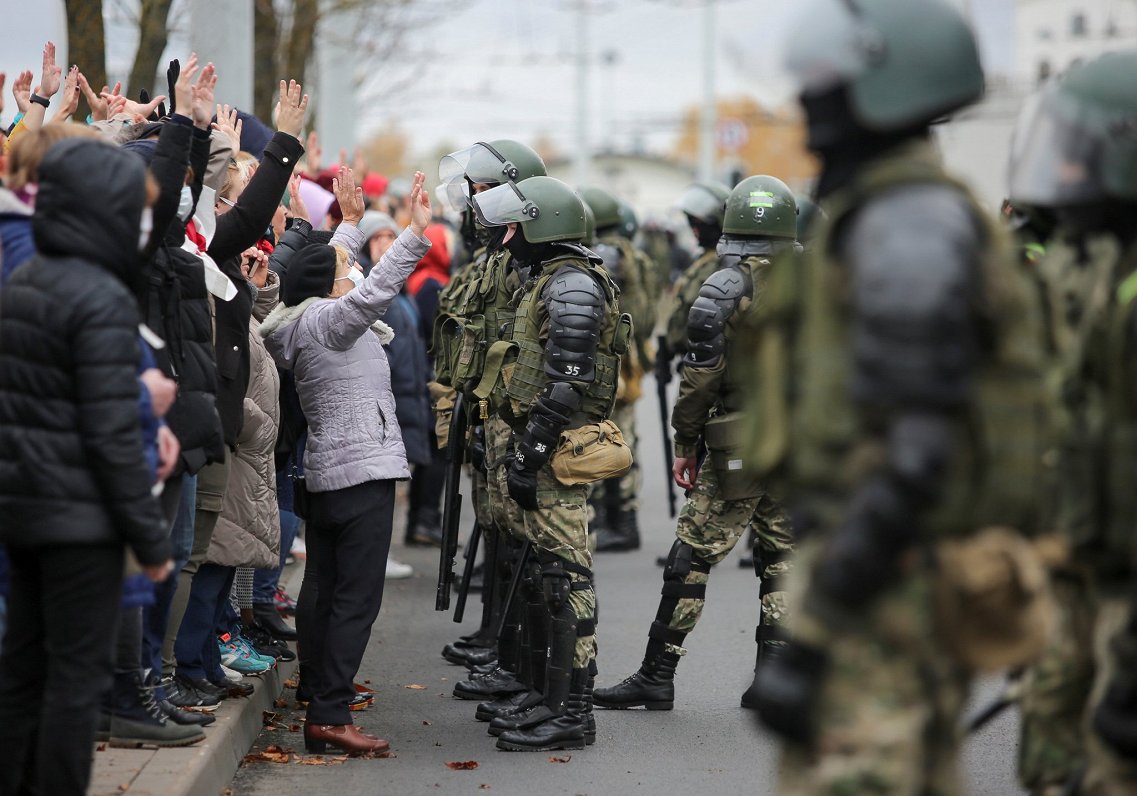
(760, 225)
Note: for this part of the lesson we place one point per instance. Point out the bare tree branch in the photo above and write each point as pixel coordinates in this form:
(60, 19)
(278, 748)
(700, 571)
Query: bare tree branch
(152, 37)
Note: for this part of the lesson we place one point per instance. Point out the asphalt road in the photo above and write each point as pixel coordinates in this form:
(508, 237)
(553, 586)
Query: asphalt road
(707, 743)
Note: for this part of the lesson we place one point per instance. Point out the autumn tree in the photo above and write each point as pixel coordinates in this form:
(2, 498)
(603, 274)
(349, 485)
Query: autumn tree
(86, 43)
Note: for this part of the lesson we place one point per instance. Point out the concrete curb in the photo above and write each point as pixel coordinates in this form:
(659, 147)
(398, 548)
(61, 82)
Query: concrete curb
(206, 768)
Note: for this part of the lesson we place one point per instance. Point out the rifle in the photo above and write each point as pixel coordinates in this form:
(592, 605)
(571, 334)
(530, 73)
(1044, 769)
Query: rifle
(452, 507)
(471, 555)
(662, 379)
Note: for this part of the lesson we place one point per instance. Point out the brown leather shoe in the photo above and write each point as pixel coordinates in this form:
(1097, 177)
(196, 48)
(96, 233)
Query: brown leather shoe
(345, 737)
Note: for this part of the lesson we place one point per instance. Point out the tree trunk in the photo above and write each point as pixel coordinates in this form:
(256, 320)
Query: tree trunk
(301, 39)
(86, 44)
(152, 24)
(266, 64)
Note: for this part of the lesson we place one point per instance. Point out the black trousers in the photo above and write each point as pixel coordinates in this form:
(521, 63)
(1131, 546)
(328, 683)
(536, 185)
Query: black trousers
(57, 663)
(348, 538)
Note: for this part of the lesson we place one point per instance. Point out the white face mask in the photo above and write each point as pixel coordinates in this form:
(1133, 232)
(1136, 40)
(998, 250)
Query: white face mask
(356, 277)
(185, 204)
(145, 227)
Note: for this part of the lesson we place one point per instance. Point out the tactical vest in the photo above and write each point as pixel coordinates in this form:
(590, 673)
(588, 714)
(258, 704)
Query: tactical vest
(1094, 381)
(636, 288)
(1002, 454)
(475, 318)
(521, 360)
(736, 388)
(686, 291)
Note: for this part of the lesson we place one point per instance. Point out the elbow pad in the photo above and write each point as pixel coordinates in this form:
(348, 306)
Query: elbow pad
(551, 412)
(717, 301)
(575, 302)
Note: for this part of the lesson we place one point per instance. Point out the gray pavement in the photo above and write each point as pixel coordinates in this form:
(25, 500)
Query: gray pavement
(706, 743)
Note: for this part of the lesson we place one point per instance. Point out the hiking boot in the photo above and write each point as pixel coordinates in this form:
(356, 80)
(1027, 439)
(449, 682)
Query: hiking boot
(137, 720)
(192, 694)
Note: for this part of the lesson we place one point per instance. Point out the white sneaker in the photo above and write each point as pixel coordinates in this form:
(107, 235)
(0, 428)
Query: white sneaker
(230, 675)
(299, 549)
(396, 570)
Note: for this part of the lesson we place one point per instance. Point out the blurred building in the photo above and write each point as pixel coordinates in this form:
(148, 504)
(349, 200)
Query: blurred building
(649, 184)
(1051, 35)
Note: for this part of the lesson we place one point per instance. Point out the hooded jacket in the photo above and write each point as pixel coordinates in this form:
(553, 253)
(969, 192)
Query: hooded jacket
(342, 375)
(15, 233)
(72, 465)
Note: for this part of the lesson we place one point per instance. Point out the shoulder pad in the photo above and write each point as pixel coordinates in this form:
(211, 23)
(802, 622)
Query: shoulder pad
(575, 302)
(578, 250)
(717, 301)
(914, 256)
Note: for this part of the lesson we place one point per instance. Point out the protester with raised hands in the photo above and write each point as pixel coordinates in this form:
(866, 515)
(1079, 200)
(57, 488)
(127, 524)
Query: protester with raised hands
(354, 454)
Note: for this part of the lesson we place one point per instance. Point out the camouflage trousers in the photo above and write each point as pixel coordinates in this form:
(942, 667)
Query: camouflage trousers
(889, 704)
(713, 526)
(558, 526)
(624, 416)
(480, 497)
(1060, 690)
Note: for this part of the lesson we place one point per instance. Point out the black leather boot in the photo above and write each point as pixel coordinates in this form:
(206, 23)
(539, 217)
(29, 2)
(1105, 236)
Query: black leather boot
(487, 711)
(499, 682)
(623, 534)
(545, 729)
(270, 620)
(769, 647)
(652, 687)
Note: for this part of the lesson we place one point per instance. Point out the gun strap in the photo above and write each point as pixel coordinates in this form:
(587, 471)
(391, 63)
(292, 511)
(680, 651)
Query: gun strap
(495, 360)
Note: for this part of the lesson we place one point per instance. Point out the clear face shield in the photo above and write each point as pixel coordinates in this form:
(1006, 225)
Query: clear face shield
(1055, 161)
(480, 163)
(504, 204)
(829, 43)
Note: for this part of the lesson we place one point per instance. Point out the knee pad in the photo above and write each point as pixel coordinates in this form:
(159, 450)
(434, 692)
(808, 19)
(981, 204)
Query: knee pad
(556, 579)
(764, 560)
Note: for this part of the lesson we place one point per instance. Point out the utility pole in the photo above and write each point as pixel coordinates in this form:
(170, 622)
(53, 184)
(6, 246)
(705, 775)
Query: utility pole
(221, 31)
(336, 109)
(582, 158)
(707, 119)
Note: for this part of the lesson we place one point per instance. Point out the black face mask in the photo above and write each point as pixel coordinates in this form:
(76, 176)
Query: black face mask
(491, 237)
(1105, 216)
(523, 251)
(706, 234)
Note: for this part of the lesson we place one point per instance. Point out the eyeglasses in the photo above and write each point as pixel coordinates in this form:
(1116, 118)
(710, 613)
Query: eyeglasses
(226, 201)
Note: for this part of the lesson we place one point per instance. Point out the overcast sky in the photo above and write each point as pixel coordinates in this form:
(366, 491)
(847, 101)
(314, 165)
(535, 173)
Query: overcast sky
(507, 67)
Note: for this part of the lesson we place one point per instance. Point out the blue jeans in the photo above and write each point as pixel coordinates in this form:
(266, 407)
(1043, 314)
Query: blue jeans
(156, 617)
(265, 580)
(196, 647)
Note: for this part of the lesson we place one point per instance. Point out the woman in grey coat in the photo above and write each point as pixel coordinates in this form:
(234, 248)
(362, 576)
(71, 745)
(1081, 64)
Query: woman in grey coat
(330, 336)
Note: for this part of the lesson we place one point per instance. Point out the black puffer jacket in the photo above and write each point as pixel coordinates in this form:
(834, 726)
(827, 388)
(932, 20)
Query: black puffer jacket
(72, 465)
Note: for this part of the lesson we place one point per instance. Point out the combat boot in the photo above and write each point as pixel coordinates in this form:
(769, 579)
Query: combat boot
(545, 729)
(769, 647)
(499, 682)
(622, 534)
(137, 720)
(487, 711)
(458, 651)
(476, 658)
(652, 687)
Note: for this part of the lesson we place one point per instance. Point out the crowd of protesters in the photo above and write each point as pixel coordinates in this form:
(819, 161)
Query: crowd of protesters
(207, 341)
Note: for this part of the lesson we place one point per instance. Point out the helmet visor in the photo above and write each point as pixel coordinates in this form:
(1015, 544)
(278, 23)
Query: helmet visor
(480, 163)
(1056, 162)
(828, 43)
(504, 204)
(700, 203)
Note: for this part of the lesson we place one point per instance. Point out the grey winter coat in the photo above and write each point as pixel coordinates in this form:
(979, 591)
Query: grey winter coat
(248, 530)
(342, 375)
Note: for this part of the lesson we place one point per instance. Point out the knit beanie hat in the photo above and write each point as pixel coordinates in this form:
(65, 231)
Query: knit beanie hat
(311, 274)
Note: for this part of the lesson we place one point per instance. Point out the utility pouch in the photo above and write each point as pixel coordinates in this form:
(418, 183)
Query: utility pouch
(723, 436)
(593, 452)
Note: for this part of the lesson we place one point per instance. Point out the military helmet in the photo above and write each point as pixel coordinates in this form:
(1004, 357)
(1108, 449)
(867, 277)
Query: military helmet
(589, 226)
(605, 206)
(903, 62)
(705, 201)
(761, 206)
(545, 208)
(488, 163)
(628, 221)
(809, 215)
(1076, 143)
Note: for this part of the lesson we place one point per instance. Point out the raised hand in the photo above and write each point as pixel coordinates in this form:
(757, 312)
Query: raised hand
(420, 205)
(22, 90)
(203, 97)
(296, 206)
(51, 73)
(138, 110)
(70, 102)
(99, 104)
(313, 154)
(350, 197)
(292, 108)
(183, 87)
(229, 123)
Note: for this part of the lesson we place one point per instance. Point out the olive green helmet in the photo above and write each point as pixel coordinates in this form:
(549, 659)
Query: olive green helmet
(589, 226)
(629, 224)
(1076, 143)
(605, 207)
(487, 163)
(761, 206)
(545, 208)
(904, 62)
(809, 216)
(705, 201)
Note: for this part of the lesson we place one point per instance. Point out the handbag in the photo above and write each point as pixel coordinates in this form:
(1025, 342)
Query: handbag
(299, 493)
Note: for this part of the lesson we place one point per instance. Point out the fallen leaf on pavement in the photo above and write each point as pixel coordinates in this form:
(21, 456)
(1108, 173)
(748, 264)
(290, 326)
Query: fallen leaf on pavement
(280, 702)
(291, 683)
(564, 759)
(294, 728)
(322, 761)
(101, 747)
(271, 754)
(416, 687)
(367, 682)
(463, 765)
(484, 786)
(268, 717)
(425, 723)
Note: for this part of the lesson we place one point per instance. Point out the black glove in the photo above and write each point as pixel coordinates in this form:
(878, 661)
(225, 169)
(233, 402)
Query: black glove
(788, 687)
(477, 451)
(1115, 719)
(522, 486)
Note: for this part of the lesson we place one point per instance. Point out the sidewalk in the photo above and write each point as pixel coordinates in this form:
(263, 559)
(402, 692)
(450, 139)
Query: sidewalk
(206, 768)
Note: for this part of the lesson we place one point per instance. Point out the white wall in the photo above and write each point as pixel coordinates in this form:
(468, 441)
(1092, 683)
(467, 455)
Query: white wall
(1044, 33)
